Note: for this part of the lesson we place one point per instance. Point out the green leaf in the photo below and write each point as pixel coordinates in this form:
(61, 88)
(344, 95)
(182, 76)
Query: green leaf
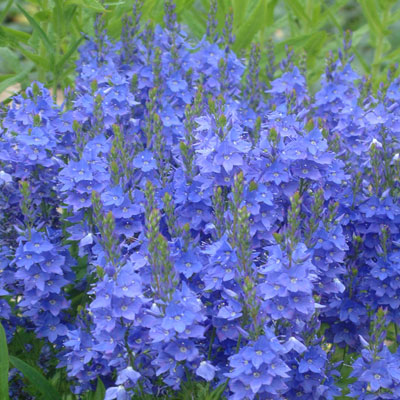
(315, 42)
(91, 4)
(42, 16)
(36, 379)
(298, 10)
(46, 41)
(371, 13)
(38, 60)
(183, 5)
(12, 36)
(392, 56)
(239, 11)
(331, 13)
(394, 17)
(246, 32)
(9, 61)
(3, 77)
(296, 41)
(100, 390)
(68, 54)
(12, 80)
(3, 14)
(269, 18)
(217, 393)
(359, 34)
(196, 21)
(4, 363)
(362, 61)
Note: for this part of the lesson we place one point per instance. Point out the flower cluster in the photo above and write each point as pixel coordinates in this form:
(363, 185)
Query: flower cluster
(179, 218)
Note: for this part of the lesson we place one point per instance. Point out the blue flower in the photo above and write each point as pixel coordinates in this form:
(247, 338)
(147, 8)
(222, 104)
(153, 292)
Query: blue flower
(206, 370)
(144, 161)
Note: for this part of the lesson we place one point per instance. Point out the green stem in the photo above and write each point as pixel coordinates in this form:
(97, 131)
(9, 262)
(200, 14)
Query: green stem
(211, 343)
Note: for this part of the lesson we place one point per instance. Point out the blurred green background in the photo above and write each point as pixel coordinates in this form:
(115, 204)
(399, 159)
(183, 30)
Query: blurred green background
(39, 38)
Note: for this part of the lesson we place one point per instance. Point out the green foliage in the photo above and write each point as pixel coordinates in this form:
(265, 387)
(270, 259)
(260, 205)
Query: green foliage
(99, 393)
(45, 46)
(4, 362)
(35, 377)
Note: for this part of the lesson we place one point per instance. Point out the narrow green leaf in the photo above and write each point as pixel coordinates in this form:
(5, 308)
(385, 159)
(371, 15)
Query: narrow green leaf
(196, 21)
(4, 363)
(269, 18)
(120, 3)
(91, 4)
(359, 34)
(239, 11)
(217, 393)
(371, 13)
(100, 390)
(394, 17)
(13, 35)
(298, 10)
(331, 13)
(3, 77)
(10, 61)
(362, 61)
(41, 61)
(297, 41)
(3, 14)
(36, 378)
(68, 54)
(12, 80)
(183, 5)
(246, 32)
(315, 43)
(334, 20)
(392, 56)
(58, 19)
(46, 41)
(316, 13)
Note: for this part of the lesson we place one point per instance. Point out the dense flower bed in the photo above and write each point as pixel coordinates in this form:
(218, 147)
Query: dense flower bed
(177, 218)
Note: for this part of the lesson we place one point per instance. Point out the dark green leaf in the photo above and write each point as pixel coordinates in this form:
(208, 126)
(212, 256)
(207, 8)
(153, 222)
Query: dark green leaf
(36, 379)
(217, 393)
(46, 41)
(4, 363)
(100, 390)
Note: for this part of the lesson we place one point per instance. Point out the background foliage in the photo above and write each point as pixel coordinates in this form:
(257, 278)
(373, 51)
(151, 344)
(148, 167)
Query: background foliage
(39, 38)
